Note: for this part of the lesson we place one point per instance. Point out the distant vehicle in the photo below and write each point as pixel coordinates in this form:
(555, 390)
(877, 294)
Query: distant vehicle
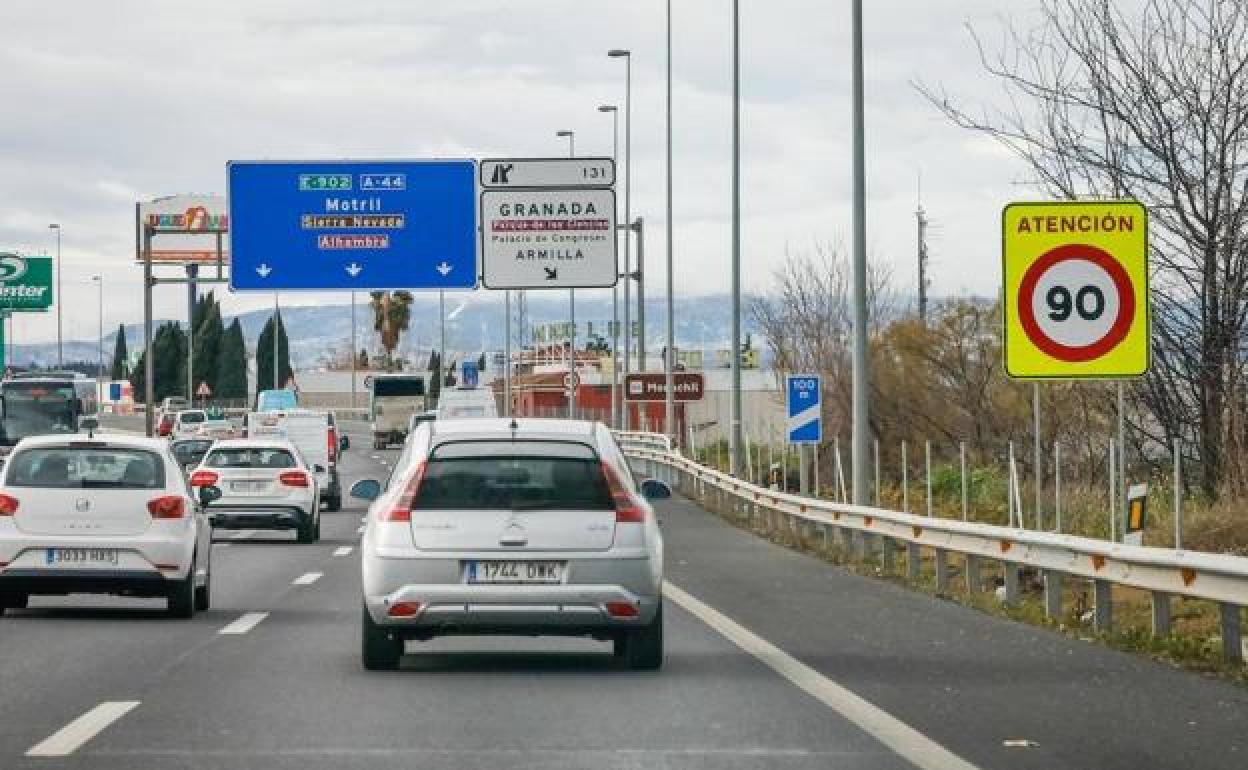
(190, 451)
(187, 423)
(280, 398)
(313, 432)
(173, 404)
(501, 526)
(459, 403)
(259, 483)
(33, 405)
(392, 400)
(109, 515)
(216, 425)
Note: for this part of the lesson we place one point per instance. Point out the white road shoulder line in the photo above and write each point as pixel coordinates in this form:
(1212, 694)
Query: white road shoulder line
(910, 744)
(244, 623)
(307, 579)
(69, 738)
(343, 550)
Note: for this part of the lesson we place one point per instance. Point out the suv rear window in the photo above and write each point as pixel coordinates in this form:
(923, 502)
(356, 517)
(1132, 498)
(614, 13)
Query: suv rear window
(86, 468)
(249, 457)
(187, 417)
(521, 475)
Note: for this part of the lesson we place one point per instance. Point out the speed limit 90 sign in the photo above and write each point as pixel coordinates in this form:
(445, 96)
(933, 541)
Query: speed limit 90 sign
(1076, 290)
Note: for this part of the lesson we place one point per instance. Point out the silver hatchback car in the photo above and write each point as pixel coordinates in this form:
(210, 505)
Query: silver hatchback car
(518, 527)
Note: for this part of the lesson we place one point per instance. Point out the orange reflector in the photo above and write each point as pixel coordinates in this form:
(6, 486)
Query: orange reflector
(403, 609)
(621, 610)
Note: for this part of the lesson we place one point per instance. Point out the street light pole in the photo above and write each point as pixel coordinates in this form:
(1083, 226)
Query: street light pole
(669, 406)
(571, 136)
(60, 301)
(615, 290)
(99, 366)
(628, 189)
(860, 379)
(735, 445)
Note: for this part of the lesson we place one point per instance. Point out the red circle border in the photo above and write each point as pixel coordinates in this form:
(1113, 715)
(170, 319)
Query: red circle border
(1126, 303)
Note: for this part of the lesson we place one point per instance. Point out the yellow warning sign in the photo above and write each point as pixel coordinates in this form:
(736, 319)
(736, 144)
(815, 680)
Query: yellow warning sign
(1075, 292)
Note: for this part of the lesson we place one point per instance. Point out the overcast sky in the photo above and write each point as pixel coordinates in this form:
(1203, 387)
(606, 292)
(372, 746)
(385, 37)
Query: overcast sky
(111, 101)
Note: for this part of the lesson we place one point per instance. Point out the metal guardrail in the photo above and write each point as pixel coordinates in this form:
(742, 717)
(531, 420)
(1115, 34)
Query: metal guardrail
(863, 530)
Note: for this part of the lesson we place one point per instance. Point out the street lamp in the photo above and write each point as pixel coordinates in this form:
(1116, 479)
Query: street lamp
(736, 444)
(60, 301)
(669, 402)
(615, 290)
(99, 367)
(618, 53)
(571, 137)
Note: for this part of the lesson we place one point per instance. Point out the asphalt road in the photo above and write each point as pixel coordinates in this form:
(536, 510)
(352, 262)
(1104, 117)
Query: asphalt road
(775, 660)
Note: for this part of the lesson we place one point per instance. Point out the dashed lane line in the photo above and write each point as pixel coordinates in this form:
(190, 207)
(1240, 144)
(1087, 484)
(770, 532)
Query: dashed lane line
(343, 550)
(244, 623)
(910, 744)
(307, 578)
(69, 738)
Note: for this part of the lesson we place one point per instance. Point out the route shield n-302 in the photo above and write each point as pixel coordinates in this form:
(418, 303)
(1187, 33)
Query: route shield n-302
(1075, 301)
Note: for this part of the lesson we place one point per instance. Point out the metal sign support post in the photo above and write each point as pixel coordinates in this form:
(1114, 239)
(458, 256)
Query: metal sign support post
(507, 353)
(1121, 507)
(1038, 470)
(148, 365)
(192, 294)
(354, 357)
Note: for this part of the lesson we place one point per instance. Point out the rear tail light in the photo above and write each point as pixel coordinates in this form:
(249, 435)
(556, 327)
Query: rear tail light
(293, 479)
(402, 509)
(333, 445)
(626, 507)
(8, 505)
(204, 479)
(168, 507)
(403, 609)
(621, 610)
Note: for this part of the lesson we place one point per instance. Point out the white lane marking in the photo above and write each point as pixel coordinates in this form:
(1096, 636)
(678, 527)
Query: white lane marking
(359, 530)
(69, 738)
(363, 519)
(244, 623)
(307, 579)
(342, 550)
(910, 744)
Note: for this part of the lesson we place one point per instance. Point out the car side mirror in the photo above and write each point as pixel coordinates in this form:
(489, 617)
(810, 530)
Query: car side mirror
(653, 489)
(344, 444)
(209, 495)
(366, 489)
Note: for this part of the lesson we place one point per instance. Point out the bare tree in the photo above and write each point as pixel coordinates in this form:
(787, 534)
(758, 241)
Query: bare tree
(1149, 103)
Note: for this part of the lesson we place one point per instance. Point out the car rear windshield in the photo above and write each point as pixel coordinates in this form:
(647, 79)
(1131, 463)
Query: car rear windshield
(86, 468)
(397, 386)
(517, 475)
(191, 417)
(250, 457)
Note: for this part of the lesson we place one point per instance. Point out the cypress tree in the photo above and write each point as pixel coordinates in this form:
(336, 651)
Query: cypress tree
(120, 354)
(231, 366)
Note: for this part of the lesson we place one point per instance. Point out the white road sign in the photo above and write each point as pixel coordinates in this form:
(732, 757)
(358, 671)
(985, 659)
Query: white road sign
(547, 172)
(548, 239)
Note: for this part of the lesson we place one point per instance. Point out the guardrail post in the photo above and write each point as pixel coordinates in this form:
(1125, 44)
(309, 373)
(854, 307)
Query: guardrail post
(1052, 594)
(1103, 613)
(1232, 638)
(887, 548)
(1161, 613)
(864, 545)
(973, 584)
(914, 563)
(1010, 574)
(942, 571)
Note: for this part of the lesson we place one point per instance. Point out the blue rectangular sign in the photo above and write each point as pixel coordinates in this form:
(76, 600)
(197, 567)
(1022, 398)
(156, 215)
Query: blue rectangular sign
(352, 225)
(804, 407)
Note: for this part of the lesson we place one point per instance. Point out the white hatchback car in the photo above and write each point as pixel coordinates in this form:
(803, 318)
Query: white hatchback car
(519, 527)
(260, 483)
(101, 514)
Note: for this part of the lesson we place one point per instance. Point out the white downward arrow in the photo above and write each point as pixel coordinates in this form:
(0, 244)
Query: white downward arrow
(264, 270)
(353, 269)
(444, 268)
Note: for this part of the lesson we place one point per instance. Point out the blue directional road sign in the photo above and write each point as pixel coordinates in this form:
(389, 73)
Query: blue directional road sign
(802, 396)
(352, 225)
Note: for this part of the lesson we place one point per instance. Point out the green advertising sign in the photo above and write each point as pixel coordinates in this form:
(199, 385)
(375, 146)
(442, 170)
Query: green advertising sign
(25, 282)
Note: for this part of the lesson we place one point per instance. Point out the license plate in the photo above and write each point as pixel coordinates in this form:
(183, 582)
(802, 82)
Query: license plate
(87, 557)
(515, 571)
(247, 487)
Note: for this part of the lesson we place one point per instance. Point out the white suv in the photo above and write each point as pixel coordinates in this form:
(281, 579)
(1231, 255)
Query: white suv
(512, 527)
(91, 514)
(260, 484)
